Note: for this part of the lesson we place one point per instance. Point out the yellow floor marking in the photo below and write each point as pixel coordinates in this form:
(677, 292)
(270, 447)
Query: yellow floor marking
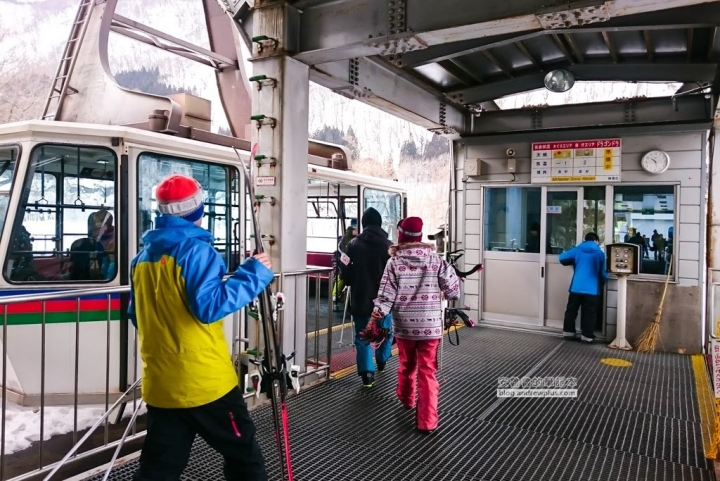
(706, 405)
(322, 332)
(613, 361)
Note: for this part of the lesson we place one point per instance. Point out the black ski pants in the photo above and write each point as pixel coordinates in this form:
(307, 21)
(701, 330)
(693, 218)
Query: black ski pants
(224, 424)
(589, 305)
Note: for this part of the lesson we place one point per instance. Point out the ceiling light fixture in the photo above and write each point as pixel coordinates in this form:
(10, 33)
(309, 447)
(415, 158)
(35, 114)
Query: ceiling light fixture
(559, 81)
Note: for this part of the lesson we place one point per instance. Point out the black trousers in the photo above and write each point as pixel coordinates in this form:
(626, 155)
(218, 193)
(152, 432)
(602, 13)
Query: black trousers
(588, 316)
(224, 424)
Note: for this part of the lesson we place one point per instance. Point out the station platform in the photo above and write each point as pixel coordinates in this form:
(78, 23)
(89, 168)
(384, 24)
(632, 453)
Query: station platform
(636, 417)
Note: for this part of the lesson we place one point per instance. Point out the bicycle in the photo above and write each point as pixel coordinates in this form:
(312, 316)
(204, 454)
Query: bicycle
(450, 318)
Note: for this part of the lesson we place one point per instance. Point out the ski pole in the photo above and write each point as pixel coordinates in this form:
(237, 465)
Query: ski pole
(347, 301)
(122, 441)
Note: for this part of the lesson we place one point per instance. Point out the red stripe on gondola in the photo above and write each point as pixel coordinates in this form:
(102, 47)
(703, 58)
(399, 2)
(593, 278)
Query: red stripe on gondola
(61, 306)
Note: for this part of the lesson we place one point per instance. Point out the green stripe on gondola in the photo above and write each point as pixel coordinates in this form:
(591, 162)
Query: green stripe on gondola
(60, 317)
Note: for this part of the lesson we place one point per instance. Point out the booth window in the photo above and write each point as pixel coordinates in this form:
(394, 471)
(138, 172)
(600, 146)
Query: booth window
(221, 196)
(512, 219)
(645, 215)
(64, 230)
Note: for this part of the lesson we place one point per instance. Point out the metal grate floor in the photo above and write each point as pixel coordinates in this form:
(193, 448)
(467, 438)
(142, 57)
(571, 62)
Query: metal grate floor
(634, 423)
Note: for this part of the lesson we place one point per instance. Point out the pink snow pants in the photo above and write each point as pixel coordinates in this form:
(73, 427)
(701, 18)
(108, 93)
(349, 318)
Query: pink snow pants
(420, 357)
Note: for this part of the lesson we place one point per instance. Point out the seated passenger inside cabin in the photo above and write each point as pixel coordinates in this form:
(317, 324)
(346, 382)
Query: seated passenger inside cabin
(102, 231)
(93, 258)
(85, 261)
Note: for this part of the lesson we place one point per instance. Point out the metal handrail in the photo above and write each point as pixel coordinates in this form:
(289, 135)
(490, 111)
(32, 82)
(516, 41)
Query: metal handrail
(60, 463)
(63, 295)
(72, 457)
(43, 299)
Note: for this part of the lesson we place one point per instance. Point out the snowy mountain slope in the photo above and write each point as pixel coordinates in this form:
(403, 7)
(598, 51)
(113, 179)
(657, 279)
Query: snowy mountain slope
(35, 31)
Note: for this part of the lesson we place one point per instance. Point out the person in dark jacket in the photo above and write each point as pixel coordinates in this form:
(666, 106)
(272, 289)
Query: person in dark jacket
(588, 261)
(368, 254)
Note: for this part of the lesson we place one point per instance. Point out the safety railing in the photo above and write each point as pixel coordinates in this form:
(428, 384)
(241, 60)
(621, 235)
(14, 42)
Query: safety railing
(99, 449)
(318, 334)
(55, 324)
(713, 314)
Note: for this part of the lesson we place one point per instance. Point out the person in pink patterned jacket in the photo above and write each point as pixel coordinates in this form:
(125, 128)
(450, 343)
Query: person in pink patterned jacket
(411, 288)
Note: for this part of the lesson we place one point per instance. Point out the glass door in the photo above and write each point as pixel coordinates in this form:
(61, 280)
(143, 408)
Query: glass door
(569, 214)
(561, 219)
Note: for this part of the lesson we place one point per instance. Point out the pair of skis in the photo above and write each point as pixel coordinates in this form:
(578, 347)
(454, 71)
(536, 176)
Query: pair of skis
(273, 378)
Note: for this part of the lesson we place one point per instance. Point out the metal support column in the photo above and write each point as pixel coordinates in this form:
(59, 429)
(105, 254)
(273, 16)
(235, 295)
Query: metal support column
(712, 252)
(280, 128)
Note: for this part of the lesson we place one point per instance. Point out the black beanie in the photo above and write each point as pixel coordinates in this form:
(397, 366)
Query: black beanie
(371, 217)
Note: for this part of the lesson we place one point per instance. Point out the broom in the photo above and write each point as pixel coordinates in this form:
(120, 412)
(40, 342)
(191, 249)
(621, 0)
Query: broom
(649, 338)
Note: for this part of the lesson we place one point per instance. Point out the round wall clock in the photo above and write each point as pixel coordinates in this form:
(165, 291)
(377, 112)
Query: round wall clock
(655, 162)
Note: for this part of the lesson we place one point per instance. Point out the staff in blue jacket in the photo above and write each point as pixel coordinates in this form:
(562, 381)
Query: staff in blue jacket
(588, 261)
(178, 302)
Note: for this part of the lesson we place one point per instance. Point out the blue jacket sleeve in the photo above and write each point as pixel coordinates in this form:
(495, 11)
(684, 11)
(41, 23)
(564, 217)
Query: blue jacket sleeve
(567, 258)
(131, 304)
(211, 298)
(603, 267)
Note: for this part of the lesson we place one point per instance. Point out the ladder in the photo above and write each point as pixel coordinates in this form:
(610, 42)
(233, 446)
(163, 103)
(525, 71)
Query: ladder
(59, 86)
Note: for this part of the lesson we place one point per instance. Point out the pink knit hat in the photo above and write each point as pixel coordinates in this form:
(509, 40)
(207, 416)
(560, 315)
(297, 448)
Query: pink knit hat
(410, 230)
(180, 196)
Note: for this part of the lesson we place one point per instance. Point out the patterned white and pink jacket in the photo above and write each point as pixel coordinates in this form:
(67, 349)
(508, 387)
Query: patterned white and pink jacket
(410, 288)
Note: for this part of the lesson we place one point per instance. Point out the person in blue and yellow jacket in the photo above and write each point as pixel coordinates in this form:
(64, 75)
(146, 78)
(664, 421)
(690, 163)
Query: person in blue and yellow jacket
(178, 302)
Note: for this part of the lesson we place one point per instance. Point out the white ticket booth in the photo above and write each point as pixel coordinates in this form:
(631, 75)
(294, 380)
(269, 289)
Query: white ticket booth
(522, 211)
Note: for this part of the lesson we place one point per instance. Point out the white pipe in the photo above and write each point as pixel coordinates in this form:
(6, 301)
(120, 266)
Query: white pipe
(620, 342)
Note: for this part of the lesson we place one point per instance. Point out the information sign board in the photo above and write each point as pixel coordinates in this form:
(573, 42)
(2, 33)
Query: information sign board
(585, 161)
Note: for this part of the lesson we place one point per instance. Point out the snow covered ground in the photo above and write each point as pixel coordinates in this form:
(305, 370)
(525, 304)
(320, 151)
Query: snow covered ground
(22, 424)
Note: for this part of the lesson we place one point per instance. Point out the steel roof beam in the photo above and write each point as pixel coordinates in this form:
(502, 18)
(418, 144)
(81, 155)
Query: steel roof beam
(638, 72)
(345, 29)
(612, 50)
(526, 52)
(378, 83)
(711, 44)
(649, 46)
(453, 50)
(463, 75)
(558, 41)
(690, 109)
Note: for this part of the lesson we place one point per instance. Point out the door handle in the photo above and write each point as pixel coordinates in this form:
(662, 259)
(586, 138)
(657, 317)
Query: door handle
(542, 272)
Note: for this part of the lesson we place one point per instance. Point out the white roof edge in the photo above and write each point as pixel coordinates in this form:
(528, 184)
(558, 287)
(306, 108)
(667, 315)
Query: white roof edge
(133, 135)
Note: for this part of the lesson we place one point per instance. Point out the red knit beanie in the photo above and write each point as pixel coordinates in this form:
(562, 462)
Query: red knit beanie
(410, 230)
(180, 196)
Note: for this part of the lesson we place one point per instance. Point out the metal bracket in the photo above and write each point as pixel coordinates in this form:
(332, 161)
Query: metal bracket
(353, 76)
(269, 238)
(629, 112)
(355, 93)
(261, 159)
(444, 130)
(263, 120)
(396, 16)
(574, 17)
(443, 113)
(263, 40)
(536, 119)
(261, 199)
(263, 80)
(398, 45)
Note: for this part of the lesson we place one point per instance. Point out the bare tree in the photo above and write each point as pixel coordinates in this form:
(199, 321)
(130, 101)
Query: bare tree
(23, 87)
